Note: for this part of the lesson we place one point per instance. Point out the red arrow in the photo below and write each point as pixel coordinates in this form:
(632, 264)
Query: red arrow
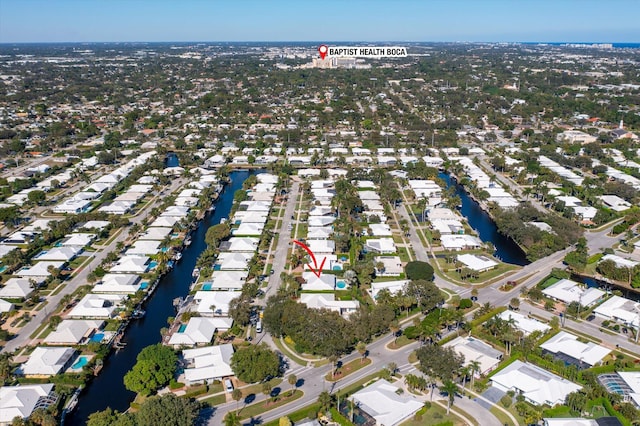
(317, 271)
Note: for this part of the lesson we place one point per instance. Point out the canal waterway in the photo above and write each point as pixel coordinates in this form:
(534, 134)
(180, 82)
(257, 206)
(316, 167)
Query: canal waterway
(107, 389)
(506, 249)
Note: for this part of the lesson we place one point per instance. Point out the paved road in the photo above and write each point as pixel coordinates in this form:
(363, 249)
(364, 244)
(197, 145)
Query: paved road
(284, 242)
(79, 279)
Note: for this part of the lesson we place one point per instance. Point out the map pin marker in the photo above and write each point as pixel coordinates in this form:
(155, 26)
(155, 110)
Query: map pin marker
(323, 49)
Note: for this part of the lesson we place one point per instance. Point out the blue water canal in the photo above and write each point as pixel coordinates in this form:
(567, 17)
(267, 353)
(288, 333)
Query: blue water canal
(506, 250)
(107, 389)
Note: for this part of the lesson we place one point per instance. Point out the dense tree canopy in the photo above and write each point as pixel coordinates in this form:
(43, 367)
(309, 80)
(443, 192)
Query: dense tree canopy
(418, 270)
(166, 410)
(154, 368)
(255, 363)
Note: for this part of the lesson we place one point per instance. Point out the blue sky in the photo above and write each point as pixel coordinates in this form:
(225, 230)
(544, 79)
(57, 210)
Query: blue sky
(324, 21)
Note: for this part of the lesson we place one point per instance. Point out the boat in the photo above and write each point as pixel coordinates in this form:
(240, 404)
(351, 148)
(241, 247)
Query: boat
(195, 273)
(138, 313)
(177, 256)
(171, 264)
(212, 208)
(223, 220)
(187, 241)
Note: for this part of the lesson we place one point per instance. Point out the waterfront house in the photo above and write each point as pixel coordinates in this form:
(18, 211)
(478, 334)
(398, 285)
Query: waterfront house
(207, 364)
(118, 283)
(568, 291)
(47, 362)
(214, 303)
(99, 306)
(199, 331)
(73, 332)
(22, 400)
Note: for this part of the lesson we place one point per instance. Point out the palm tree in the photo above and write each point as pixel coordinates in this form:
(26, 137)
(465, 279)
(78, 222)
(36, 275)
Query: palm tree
(474, 367)
(266, 390)
(361, 347)
(450, 389)
(333, 359)
(394, 327)
(393, 367)
(237, 396)
(232, 419)
(292, 381)
(325, 400)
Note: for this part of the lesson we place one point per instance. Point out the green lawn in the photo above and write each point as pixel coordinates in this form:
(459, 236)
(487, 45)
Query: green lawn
(435, 415)
(347, 369)
(216, 400)
(258, 408)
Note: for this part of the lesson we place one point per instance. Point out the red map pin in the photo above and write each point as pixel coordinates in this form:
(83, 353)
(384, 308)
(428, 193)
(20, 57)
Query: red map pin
(323, 49)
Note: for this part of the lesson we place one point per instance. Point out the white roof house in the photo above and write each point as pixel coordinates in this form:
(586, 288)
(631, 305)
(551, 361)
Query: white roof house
(537, 385)
(199, 331)
(632, 379)
(570, 349)
(73, 332)
(382, 402)
(380, 230)
(614, 202)
(477, 262)
(16, 288)
(328, 301)
(158, 233)
(44, 362)
(22, 400)
(460, 242)
(208, 363)
(568, 291)
(619, 309)
(118, 283)
(164, 222)
(247, 244)
(392, 286)
(319, 232)
(321, 283)
(144, 248)
(131, 264)
(101, 306)
(78, 239)
(392, 266)
(40, 269)
(227, 280)
(5, 306)
(322, 246)
(66, 253)
(525, 324)
(380, 245)
(474, 349)
(95, 224)
(219, 300)
(620, 262)
(230, 261)
(249, 229)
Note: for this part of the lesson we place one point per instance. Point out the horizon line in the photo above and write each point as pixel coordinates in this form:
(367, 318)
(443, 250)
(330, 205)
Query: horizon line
(322, 41)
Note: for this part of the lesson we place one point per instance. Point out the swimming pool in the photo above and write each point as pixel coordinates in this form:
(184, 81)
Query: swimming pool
(42, 253)
(207, 286)
(97, 337)
(153, 264)
(337, 267)
(144, 285)
(81, 362)
(182, 328)
(341, 285)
